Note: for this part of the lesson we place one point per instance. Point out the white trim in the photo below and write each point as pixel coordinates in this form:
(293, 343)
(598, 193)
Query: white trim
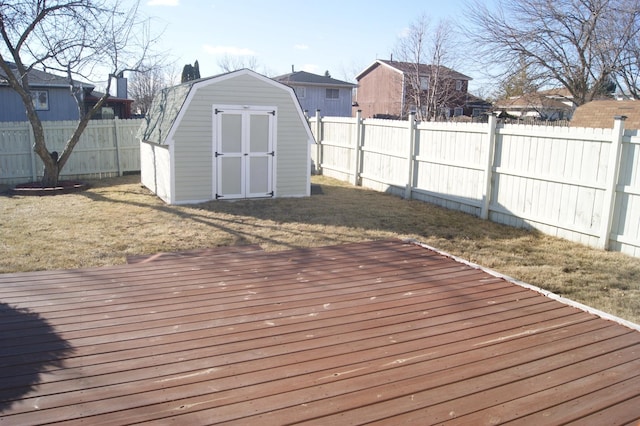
(245, 111)
(172, 172)
(546, 293)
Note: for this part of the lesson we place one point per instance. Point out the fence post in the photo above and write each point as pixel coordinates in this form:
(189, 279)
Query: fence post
(32, 142)
(411, 155)
(613, 170)
(357, 161)
(488, 166)
(318, 143)
(116, 129)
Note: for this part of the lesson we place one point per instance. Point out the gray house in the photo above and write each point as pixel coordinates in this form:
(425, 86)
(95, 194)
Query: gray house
(317, 92)
(235, 135)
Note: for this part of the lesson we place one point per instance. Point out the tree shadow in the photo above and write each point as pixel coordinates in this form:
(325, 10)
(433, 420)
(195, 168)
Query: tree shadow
(29, 346)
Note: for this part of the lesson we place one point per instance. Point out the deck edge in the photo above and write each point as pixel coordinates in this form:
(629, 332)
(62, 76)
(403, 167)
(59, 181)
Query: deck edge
(547, 293)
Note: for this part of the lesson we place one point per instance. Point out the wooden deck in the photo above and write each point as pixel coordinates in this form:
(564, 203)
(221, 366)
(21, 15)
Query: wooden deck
(381, 332)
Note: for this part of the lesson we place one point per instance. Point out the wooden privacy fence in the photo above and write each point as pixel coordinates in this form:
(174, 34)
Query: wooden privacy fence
(575, 183)
(106, 148)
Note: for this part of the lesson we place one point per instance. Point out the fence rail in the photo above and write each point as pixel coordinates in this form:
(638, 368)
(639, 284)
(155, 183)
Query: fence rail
(575, 183)
(106, 148)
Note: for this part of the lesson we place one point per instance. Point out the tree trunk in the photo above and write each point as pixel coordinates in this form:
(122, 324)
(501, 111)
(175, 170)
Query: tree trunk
(51, 174)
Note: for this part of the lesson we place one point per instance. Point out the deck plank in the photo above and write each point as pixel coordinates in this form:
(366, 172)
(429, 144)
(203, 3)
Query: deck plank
(382, 331)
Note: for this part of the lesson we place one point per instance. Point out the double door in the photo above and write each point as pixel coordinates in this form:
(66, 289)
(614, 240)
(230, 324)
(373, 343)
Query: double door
(244, 151)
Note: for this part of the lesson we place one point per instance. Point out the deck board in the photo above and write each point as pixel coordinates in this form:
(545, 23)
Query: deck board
(383, 331)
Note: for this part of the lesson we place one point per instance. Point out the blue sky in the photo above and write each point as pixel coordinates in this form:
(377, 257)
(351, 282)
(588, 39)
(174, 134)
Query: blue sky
(343, 37)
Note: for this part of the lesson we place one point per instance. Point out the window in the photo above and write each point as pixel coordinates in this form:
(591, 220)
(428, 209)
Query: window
(108, 113)
(424, 83)
(301, 92)
(332, 94)
(458, 85)
(457, 112)
(40, 99)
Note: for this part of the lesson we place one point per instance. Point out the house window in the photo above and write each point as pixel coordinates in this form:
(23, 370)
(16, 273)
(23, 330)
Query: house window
(332, 94)
(457, 112)
(40, 99)
(424, 83)
(458, 85)
(301, 92)
(108, 113)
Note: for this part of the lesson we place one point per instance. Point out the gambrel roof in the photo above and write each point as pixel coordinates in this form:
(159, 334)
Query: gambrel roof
(168, 105)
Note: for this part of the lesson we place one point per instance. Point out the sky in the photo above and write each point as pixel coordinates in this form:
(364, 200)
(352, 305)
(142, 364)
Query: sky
(342, 37)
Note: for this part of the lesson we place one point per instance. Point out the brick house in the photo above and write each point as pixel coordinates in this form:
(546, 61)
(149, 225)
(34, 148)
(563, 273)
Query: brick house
(385, 86)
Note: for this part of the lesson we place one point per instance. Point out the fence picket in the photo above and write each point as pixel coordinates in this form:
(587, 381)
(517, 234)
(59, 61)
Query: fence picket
(561, 181)
(106, 148)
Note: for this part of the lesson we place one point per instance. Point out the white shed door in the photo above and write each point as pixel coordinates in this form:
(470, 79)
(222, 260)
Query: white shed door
(244, 139)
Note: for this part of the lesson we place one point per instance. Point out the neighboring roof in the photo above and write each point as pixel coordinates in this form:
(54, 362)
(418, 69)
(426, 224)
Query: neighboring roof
(472, 100)
(532, 100)
(307, 78)
(39, 78)
(408, 67)
(560, 92)
(167, 105)
(600, 114)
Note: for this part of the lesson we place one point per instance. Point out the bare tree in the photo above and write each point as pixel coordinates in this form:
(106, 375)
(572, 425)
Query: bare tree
(146, 83)
(576, 44)
(516, 83)
(230, 63)
(76, 37)
(426, 51)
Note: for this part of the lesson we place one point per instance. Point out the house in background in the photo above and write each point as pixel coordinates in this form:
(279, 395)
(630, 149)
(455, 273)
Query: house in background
(548, 105)
(54, 102)
(318, 92)
(600, 114)
(383, 90)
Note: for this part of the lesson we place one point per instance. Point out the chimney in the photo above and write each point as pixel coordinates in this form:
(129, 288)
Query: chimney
(292, 70)
(121, 87)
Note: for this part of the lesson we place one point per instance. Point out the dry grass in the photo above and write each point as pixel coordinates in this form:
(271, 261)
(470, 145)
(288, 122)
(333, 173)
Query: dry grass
(117, 217)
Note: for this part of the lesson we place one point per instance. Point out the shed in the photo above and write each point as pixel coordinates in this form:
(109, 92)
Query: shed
(230, 136)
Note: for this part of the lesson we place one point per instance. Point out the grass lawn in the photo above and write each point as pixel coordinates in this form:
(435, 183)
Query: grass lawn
(117, 217)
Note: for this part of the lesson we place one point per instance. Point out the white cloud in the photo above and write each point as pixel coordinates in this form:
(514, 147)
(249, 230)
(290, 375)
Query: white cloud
(228, 50)
(312, 68)
(404, 33)
(163, 3)
(300, 47)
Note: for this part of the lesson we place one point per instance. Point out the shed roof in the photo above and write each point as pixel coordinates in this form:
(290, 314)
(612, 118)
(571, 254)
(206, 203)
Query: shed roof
(600, 114)
(166, 107)
(307, 78)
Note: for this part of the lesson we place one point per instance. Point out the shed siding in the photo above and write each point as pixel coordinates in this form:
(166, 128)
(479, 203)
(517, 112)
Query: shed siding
(155, 167)
(193, 152)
